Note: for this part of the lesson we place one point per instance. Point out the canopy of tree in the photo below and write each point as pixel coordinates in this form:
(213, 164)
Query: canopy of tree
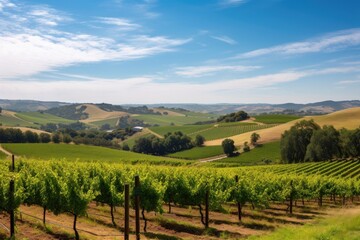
(234, 117)
(171, 143)
(306, 141)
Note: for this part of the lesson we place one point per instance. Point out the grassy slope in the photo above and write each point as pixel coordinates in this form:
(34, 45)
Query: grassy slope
(275, 118)
(85, 153)
(198, 153)
(344, 225)
(177, 120)
(348, 118)
(2, 155)
(42, 118)
(255, 156)
(7, 120)
(112, 122)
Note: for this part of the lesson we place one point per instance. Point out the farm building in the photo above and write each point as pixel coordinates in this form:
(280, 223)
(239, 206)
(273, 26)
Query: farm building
(137, 129)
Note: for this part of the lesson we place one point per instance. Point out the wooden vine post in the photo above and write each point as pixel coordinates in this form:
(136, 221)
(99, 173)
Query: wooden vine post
(127, 217)
(238, 204)
(137, 207)
(207, 209)
(11, 201)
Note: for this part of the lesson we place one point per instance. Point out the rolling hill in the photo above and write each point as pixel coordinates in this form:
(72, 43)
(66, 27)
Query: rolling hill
(348, 118)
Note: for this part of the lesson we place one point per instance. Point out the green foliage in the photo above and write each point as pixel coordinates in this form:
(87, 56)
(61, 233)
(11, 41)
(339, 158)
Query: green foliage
(246, 147)
(45, 137)
(294, 142)
(173, 142)
(324, 144)
(234, 117)
(73, 112)
(254, 138)
(199, 140)
(228, 146)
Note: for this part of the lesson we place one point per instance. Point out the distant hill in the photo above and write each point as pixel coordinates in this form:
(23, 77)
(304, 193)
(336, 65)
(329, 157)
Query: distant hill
(221, 108)
(348, 118)
(28, 105)
(259, 108)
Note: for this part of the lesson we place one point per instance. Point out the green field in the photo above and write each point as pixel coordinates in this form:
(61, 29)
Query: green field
(2, 155)
(164, 120)
(85, 153)
(199, 153)
(275, 118)
(256, 156)
(14, 122)
(344, 225)
(42, 118)
(112, 122)
(131, 140)
(211, 131)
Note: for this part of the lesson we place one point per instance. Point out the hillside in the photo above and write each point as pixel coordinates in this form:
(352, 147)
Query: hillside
(348, 118)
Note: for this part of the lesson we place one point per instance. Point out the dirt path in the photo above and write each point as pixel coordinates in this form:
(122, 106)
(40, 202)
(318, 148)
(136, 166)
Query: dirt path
(153, 133)
(5, 151)
(211, 159)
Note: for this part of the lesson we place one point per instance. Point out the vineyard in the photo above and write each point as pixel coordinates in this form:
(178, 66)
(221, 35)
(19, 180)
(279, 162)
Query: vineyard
(74, 189)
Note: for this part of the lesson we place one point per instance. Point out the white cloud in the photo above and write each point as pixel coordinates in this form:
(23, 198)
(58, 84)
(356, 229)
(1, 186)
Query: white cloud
(348, 82)
(225, 39)
(231, 3)
(33, 44)
(123, 24)
(138, 89)
(200, 71)
(329, 42)
(6, 4)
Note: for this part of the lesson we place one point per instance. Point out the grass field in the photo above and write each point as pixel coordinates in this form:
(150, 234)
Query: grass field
(131, 140)
(269, 151)
(42, 118)
(275, 118)
(211, 131)
(176, 120)
(85, 153)
(112, 122)
(198, 153)
(2, 155)
(345, 224)
(11, 121)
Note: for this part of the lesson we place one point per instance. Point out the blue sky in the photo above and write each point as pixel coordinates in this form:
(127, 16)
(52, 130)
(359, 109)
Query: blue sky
(153, 51)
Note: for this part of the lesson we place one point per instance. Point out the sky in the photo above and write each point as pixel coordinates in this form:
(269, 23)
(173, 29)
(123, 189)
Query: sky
(153, 51)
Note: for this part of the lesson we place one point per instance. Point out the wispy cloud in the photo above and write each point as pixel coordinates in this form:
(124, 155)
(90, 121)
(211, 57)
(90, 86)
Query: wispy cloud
(348, 82)
(200, 71)
(329, 42)
(30, 46)
(79, 88)
(231, 3)
(6, 4)
(123, 24)
(225, 39)
(47, 16)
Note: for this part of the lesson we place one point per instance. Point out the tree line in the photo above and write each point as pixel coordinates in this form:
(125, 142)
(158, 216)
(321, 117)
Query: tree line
(171, 143)
(306, 141)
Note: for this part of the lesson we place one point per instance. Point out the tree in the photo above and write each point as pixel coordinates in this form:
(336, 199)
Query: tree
(105, 127)
(324, 144)
(294, 142)
(246, 147)
(31, 137)
(254, 138)
(66, 138)
(56, 138)
(228, 147)
(125, 147)
(0, 110)
(45, 137)
(350, 142)
(199, 140)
